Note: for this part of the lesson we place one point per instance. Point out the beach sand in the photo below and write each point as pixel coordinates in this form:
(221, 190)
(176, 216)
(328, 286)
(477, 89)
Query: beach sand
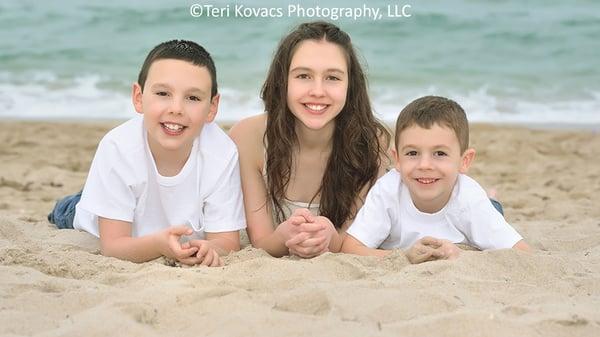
(55, 283)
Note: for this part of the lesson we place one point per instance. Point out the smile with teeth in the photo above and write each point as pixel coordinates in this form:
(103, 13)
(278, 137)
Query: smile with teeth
(427, 181)
(172, 127)
(316, 107)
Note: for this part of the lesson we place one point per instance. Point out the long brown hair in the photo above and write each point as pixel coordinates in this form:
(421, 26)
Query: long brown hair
(357, 149)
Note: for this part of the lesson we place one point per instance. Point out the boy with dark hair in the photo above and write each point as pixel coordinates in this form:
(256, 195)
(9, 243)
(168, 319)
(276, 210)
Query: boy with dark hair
(167, 174)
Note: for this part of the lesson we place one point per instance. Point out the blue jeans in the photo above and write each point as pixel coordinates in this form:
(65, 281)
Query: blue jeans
(64, 211)
(498, 206)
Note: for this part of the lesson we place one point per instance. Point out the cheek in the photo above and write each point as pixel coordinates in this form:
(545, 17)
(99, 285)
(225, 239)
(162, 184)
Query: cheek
(339, 93)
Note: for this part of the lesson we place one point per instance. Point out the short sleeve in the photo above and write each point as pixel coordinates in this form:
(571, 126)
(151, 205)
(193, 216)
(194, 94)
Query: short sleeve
(107, 192)
(373, 223)
(224, 208)
(485, 227)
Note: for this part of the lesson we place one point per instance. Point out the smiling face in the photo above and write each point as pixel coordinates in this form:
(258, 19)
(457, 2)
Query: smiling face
(176, 103)
(429, 161)
(317, 83)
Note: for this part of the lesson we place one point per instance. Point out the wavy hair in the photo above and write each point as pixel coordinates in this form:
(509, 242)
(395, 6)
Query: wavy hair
(360, 141)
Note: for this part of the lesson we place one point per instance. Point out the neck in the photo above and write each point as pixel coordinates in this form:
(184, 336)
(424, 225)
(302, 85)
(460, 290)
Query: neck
(318, 140)
(169, 162)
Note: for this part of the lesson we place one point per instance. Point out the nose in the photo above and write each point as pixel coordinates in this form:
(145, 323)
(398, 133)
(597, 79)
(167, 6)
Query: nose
(176, 106)
(317, 89)
(425, 162)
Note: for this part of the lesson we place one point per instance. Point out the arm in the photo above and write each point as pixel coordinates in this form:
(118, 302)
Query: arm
(116, 241)
(216, 245)
(523, 246)
(353, 246)
(247, 134)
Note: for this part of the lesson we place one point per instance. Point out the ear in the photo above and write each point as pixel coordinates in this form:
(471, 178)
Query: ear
(214, 107)
(467, 160)
(136, 97)
(396, 158)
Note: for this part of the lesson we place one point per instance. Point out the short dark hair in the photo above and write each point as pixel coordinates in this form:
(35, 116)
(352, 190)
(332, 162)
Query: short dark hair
(180, 50)
(429, 110)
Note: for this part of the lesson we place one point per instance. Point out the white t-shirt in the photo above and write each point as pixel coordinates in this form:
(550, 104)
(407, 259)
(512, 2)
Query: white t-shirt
(124, 184)
(389, 218)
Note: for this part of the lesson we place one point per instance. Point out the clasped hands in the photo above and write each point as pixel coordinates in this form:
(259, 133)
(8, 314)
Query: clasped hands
(429, 249)
(193, 252)
(306, 235)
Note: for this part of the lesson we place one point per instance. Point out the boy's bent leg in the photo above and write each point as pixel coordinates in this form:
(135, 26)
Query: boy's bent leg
(497, 205)
(63, 213)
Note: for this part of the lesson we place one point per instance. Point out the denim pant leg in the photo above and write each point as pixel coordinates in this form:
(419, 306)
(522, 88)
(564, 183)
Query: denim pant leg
(64, 211)
(497, 205)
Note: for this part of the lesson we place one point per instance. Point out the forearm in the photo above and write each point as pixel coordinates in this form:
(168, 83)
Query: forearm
(224, 243)
(353, 246)
(522, 245)
(337, 239)
(134, 249)
(365, 251)
(272, 243)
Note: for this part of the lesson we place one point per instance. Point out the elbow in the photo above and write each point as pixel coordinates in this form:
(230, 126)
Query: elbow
(523, 246)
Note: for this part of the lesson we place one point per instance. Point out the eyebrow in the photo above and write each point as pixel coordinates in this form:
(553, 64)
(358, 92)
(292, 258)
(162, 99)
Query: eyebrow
(330, 70)
(164, 85)
(433, 147)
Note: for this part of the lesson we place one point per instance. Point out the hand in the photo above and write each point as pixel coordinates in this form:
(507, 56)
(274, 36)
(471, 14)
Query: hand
(449, 250)
(301, 220)
(312, 240)
(207, 254)
(429, 249)
(172, 248)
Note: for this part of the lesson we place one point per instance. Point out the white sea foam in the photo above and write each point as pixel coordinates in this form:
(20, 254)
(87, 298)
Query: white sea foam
(46, 97)
(481, 106)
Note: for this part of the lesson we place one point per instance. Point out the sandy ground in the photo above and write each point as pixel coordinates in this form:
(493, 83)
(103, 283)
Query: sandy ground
(55, 283)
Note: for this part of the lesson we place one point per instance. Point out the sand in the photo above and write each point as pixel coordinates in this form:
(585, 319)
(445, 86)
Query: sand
(55, 283)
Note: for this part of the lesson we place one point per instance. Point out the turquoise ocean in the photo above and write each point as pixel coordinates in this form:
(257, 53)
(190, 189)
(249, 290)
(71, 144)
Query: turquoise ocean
(526, 62)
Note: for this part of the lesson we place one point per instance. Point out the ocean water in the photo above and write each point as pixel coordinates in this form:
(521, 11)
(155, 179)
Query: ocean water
(527, 62)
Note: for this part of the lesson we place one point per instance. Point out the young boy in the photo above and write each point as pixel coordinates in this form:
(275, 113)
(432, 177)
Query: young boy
(157, 174)
(428, 204)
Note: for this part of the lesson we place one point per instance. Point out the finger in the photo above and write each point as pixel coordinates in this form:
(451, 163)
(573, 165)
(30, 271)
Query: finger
(216, 262)
(311, 227)
(202, 251)
(437, 254)
(190, 261)
(186, 245)
(305, 213)
(431, 241)
(297, 239)
(307, 252)
(177, 249)
(208, 258)
(313, 242)
(180, 230)
(297, 220)
(185, 253)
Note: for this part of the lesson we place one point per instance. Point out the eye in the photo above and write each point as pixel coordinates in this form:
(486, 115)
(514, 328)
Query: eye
(411, 153)
(440, 154)
(161, 93)
(195, 98)
(303, 76)
(333, 78)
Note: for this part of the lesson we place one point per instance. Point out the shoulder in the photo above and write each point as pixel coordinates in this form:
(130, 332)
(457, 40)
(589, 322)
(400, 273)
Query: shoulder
(468, 193)
(388, 184)
(215, 143)
(249, 129)
(248, 135)
(125, 140)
